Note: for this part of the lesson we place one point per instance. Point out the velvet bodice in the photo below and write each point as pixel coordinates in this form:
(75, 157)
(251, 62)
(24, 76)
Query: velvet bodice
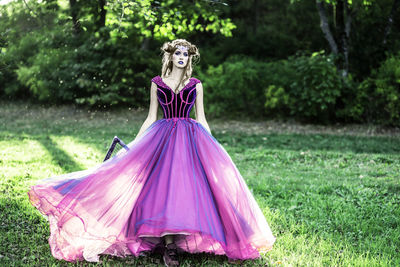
(176, 105)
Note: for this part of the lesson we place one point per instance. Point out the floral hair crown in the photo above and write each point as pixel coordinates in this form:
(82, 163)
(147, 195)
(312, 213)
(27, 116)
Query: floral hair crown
(169, 48)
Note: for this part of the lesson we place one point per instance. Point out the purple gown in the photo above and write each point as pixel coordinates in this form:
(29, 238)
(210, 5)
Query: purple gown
(175, 178)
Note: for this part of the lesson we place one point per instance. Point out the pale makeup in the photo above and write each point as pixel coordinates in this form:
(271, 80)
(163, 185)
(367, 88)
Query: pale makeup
(180, 57)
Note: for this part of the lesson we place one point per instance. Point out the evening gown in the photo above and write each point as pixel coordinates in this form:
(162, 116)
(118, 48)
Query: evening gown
(176, 178)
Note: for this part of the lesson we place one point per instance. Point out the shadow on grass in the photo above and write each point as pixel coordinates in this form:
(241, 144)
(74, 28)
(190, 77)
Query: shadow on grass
(60, 157)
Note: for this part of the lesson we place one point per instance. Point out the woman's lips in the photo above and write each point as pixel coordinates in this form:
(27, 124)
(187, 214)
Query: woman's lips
(180, 62)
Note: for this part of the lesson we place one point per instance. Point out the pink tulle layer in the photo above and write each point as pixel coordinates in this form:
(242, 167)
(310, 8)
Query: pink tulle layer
(175, 178)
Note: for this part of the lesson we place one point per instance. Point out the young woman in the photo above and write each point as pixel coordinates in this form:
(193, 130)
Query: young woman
(176, 188)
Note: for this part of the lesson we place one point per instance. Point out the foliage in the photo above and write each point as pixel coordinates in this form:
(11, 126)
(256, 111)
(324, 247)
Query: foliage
(315, 92)
(379, 95)
(367, 51)
(232, 89)
(45, 65)
(304, 87)
(17, 22)
(81, 73)
(387, 89)
(165, 19)
(102, 66)
(268, 30)
(316, 87)
(309, 89)
(354, 104)
(376, 99)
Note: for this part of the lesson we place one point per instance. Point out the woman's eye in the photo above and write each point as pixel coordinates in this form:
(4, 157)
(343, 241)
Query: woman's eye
(177, 53)
(185, 54)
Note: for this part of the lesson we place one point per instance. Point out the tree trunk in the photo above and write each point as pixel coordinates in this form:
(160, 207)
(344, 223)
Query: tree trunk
(325, 27)
(349, 16)
(341, 38)
(338, 42)
(395, 6)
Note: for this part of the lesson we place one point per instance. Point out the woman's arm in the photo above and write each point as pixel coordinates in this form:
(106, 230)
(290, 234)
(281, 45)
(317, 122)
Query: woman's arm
(152, 116)
(200, 116)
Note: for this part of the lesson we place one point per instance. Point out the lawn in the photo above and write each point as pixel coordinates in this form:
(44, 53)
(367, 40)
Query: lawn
(330, 194)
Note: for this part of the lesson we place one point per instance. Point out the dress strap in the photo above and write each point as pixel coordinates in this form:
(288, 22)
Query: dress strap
(157, 80)
(195, 80)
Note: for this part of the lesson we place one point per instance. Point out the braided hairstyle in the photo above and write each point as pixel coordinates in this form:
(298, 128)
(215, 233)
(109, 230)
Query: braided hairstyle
(168, 49)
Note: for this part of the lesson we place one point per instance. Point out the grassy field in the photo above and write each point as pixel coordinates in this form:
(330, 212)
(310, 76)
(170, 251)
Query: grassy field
(330, 194)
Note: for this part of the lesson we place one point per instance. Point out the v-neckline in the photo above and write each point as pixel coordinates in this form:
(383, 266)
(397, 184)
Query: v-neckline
(184, 87)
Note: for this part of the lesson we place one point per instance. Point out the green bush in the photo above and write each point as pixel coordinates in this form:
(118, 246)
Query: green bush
(386, 81)
(377, 98)
(114, 73)
(13, 57)
(309, 91)
(277, 77)
(43, 77)
(233, 88)
(86, 71)
(304, 87)
(351, 105)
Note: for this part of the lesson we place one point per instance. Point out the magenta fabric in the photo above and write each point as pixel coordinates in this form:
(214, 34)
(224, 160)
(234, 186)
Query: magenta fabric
(175, 178)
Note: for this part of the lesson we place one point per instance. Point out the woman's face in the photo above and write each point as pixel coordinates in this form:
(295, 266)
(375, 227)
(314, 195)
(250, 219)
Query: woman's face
(180, 57)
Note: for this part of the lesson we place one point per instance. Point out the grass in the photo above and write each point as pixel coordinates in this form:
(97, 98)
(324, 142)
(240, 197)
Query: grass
(330, 194)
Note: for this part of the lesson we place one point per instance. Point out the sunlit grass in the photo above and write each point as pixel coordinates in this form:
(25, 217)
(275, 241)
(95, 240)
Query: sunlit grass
(331, 198)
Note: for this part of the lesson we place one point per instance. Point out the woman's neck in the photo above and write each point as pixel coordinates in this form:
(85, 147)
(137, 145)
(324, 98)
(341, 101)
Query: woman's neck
(176, 73)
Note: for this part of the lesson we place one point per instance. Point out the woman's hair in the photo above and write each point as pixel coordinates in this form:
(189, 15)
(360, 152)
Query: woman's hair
(168, 49)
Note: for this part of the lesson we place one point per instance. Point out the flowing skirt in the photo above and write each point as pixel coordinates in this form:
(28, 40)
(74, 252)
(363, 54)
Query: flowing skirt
(175, 178)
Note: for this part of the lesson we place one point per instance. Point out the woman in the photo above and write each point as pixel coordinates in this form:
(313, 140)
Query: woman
(176, 187)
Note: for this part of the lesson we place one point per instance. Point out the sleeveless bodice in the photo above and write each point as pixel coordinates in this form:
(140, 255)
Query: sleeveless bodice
(176, 105)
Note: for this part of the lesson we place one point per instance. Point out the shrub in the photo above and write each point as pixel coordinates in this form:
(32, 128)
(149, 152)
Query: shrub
(43, 77)
(377, 98)
(233, 89)
(310, 93)
(87, 71)
(386, 82)
(304, 87)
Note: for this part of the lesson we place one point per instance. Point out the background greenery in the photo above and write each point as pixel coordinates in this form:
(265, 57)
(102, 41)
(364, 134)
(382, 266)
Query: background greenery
(268, 58)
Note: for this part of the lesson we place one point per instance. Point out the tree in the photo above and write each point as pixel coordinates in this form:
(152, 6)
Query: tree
(166, 19)
(338, 41)
(388, 29)
(344, 11)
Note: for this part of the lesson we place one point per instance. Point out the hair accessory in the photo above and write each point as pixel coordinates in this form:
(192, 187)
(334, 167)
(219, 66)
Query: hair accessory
(181, 47)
